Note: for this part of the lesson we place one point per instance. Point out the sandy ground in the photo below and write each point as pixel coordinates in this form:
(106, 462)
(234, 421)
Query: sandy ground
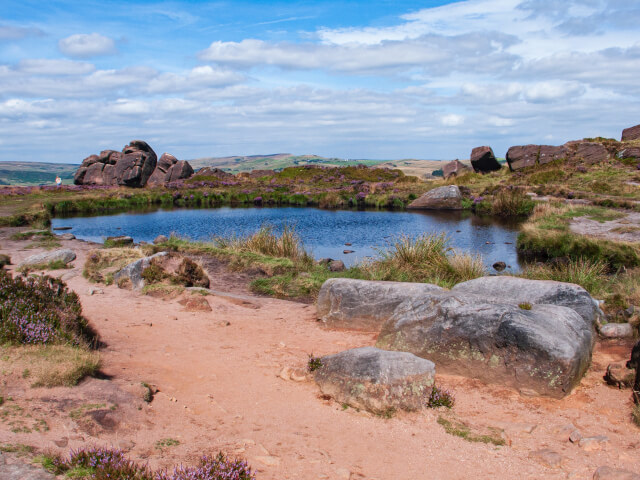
(221, 389)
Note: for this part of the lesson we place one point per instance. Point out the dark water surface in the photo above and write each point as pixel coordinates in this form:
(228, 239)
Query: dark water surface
(324, 232)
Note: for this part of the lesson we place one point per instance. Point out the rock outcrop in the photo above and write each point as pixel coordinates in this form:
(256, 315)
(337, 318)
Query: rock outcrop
(541, 349)
(454, 168)
(215, 173)
(517, 290)
(441, 198)
(131, 168)
(133, 272)
(483, 160)
(63, 255)
(365, 305)
(376, 380)
(522, 156)
(631, 133)
(591, 153)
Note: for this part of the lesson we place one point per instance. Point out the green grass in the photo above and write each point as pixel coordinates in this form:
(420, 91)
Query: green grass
(459, 429)
(166, 443)
(80, 411)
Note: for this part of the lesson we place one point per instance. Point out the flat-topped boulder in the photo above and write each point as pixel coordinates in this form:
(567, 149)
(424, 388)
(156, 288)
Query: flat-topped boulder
(441, 198)
(523, 156)
(376, 380)
(365, 305)
(538, 349)
(63, 255)
(517, 290)
(483, 160)
(631, 133)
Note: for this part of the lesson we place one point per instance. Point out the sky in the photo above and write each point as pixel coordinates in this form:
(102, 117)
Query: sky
(379, 79)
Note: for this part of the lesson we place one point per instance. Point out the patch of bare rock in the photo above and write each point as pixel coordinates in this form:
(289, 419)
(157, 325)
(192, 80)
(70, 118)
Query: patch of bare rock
(532, 335)
(441, 198)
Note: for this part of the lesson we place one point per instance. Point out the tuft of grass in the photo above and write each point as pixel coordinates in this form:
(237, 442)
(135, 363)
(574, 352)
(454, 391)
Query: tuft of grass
(459, 429)
(635, 414)
(592, 275)
(511, 203)
(166, 443)
(20, 449)
(54, 265)
(102, 264)
(79, 412)
(525, 306)
(51, 365)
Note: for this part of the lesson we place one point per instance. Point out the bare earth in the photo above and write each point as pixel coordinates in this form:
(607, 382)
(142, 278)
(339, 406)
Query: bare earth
(222, 388)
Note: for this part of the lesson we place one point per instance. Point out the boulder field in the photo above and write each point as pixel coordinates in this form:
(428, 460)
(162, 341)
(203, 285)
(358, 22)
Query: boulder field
(533, 335)
(135, 166)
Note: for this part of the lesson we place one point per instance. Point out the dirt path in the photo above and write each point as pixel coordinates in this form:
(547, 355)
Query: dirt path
(220, 389)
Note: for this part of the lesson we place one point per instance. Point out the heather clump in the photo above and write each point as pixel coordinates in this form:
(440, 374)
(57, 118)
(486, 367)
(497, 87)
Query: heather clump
(39, 310)
(99, 463)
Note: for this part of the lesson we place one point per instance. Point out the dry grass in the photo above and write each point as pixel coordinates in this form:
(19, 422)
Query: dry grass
(50, 365)
(102, 264)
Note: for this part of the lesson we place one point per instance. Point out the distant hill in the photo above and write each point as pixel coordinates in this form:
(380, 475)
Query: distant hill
(35, 173)
(278, 161)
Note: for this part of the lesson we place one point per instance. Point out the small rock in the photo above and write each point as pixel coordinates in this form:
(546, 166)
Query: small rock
(298, 375)
(348, 244)
(336, 266)
(591, 444)
(160, 239)
(285, 373)
(499, 266)
(67, 236)
(195, 303)
(95, 291)
(575, 436)
(629, 311)
(119, 241)
(63, 442)
(348, 251)
(616, 330)
(61, 228)
(547, 457)
(619, 376)
(608, 473)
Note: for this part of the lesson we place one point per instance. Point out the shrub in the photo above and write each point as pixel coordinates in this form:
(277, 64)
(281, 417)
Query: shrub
(314, 363)
(635, 414)
(525, 306)
(190, 274)
(40, 310)
(440, 398)
(153, 273)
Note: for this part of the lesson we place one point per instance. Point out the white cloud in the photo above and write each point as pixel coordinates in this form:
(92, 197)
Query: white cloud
(452, 120)
(8, 32)
(45, 66)
(87, 45)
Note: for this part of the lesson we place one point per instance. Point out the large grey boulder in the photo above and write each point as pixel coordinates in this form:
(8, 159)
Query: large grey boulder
(365, 305)
(62, 255)
(376, 380)
(516, 290)
(133, 271)
(441, 198)
(543, 351)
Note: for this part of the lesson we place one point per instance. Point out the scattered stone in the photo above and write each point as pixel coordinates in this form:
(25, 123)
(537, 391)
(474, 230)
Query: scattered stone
(348, 251)
(195, 303)
(67, 236)
(608, 473)
(348, 244)
(483, 160)
(61, 228)
(522, 290)
(619, 376)
(365, 305)
(160, 239)
(631, 133)
(454, 168)
(616, 330)
(499, 266)
(376, 380)
(545, 349)
(62, 442)
(95, 291)
(591, 444)
(547, 457)
(63, 255)
(119, 241)
(336, 266)
(575, 436)
(441, 198)
(133, 271)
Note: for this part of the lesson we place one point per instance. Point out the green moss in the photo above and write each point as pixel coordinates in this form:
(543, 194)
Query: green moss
(459, 429)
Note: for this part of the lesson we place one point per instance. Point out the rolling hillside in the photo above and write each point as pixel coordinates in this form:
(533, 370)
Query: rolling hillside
(35, 173)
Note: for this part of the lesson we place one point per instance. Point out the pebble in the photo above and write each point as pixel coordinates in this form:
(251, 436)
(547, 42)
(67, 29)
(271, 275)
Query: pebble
(547, 457)
(591, 444)
(575, 436)
(616, 330)
(348, 251)
(95, 291)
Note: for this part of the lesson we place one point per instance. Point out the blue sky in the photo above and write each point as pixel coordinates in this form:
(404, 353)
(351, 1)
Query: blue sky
(354, 79)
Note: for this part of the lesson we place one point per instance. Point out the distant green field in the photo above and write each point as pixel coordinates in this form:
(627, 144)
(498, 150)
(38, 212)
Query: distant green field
(35, 173)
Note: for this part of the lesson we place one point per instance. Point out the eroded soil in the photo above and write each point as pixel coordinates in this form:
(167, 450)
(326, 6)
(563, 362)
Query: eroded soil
(222, 387)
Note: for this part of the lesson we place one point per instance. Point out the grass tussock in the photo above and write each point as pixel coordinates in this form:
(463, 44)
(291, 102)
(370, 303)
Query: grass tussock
(459, 429)
(511, 203)
(267, 242)
(50, 365)
(592, 275)
(102, 264)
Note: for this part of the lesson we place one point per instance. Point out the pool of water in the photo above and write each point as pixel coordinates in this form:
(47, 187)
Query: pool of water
(324, 232)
